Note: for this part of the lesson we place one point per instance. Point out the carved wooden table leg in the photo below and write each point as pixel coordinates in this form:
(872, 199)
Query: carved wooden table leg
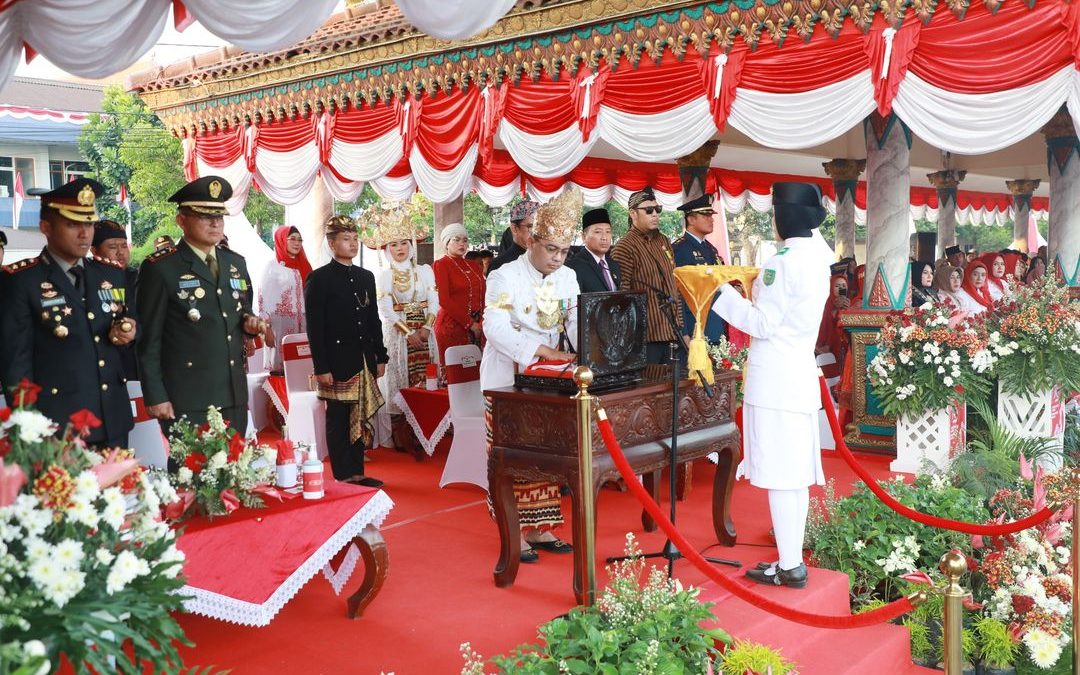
(723, 485)
(376, 560)
(651, 480)
(684, 480)
(506, 518)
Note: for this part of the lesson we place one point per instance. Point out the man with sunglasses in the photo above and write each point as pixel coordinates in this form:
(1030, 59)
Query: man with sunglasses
(522, 217)
(647, 262)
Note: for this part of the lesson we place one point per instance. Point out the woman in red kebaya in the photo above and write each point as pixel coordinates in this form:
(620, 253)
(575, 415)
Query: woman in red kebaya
(461, 294)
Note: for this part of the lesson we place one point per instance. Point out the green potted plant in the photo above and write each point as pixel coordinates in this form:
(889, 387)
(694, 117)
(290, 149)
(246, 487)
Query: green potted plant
(750, 657)
(642, 622)
(996, 648)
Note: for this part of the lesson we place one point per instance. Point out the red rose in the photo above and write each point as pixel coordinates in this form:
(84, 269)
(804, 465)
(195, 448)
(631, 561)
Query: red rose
(203, 429)
(195, 461)
(236, 446)
(83, 421)
(5, 447)
(5, 414)
(26, 393)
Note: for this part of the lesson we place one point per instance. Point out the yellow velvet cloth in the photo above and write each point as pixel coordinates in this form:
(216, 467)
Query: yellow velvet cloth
(698, 285)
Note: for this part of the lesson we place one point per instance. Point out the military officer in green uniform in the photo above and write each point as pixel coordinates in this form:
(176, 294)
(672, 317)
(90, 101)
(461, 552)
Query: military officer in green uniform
(195, 310)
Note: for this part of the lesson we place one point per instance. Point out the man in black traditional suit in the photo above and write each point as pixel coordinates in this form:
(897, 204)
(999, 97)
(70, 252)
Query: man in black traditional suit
(110, 242)
(347, 351)
(63, 321)
(522, 217)
(596, 271)
(195, 307)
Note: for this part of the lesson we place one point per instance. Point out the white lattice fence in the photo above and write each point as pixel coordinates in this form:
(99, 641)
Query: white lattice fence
(936, 435)
(1038, 415)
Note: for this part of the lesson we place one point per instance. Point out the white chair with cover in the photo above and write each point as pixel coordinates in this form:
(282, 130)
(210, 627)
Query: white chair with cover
(257, 372)
(307, 414)
(828, 365)
(467, 460)
(145, 438)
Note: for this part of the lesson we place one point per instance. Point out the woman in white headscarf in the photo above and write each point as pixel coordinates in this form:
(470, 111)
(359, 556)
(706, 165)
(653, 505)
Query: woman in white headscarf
(461, 293)
(408, 304)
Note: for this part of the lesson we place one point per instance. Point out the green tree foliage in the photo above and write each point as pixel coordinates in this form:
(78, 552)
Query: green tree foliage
(264, 215)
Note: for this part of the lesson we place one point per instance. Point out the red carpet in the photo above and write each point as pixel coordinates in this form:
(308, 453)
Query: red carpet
(440, 593)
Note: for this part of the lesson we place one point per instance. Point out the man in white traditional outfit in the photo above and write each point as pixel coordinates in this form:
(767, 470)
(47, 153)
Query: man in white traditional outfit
(782, 398)
(530, 315)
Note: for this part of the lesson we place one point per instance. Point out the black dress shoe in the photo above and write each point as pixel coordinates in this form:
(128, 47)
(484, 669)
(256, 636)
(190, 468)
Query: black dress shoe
(529, 556)
(557, 546)
(793, 578)
(366, 481)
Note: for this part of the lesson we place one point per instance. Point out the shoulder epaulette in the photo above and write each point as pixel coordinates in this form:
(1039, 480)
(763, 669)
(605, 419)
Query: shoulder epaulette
(160, 254)
(23, 264)
(106, 261)
(679, 240)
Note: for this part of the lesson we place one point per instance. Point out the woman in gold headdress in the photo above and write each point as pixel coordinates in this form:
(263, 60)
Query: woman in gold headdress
(408, 304)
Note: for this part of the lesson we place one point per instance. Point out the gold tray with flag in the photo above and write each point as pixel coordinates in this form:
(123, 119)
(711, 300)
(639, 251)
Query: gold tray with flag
(698, 285)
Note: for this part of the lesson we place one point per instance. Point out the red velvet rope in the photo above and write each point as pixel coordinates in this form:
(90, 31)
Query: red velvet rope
(906, 511)
(879, 615)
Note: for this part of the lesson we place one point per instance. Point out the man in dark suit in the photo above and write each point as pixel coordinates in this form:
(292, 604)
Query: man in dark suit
(195, 308)
(62, 322)
(110, 242)
(596, 271)
(347, 351)
(694, 249)
(522, 217)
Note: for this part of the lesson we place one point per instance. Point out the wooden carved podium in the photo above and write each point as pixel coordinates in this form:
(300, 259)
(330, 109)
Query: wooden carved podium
(535, 438)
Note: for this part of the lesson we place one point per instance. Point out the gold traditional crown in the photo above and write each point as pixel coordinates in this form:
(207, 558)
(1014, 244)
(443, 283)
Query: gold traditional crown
(392, 222)
(559, 220)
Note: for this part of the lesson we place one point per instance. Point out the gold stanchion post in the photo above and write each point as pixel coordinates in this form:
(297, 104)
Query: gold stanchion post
(583, 376)
(953, 565)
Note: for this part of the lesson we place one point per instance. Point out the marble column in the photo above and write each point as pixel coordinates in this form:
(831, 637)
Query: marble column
(309, 216)
(447, 214)
(888, 213)
(1021, 189)
(845, 177)
(1063, 158)
(946, 182)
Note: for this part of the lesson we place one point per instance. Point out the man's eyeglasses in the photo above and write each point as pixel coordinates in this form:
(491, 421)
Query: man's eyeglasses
(650, 210)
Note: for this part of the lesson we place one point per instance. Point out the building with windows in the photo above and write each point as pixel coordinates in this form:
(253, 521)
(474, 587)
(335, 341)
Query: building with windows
(40, 122)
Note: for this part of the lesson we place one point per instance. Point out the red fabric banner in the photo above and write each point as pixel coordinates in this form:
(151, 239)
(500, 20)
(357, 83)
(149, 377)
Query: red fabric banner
(803, 67)
(448, 127)
(652, 88)
(541, 107)
(721, 90)
(492, 109)
(586, 94)
(897, 47)
(365, 124)
(409, 110)
(283, 136)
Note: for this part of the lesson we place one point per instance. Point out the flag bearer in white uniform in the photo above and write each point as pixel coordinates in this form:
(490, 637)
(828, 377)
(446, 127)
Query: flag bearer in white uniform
(782, 399)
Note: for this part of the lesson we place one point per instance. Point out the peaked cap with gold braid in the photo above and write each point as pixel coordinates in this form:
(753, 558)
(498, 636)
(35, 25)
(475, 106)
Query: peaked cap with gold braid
(559, 220)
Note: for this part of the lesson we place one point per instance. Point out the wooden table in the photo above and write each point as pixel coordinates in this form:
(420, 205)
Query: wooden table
(535, 439)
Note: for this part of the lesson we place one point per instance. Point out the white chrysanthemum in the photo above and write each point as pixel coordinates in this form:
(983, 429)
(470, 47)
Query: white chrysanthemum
(184, 475)
(948, 381)
(172, 555)
(69, 553)
(113, 513)
(82, 511)
(34, 648)
(86, 486)
(166, 492)
(1044, 650)
(858, 545)
(104, 556)
(33, 426)
(36, 549)
(127, 567)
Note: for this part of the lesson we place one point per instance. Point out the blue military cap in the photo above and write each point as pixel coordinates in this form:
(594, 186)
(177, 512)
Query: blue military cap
(703, 204)
(205, 195)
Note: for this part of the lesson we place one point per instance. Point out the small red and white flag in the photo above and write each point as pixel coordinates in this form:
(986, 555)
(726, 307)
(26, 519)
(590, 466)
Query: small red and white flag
(124, 200)
(17, 200)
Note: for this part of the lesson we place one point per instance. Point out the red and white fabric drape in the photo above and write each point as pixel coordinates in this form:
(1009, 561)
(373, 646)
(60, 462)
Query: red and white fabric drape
(97, 38)
(957, 84)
